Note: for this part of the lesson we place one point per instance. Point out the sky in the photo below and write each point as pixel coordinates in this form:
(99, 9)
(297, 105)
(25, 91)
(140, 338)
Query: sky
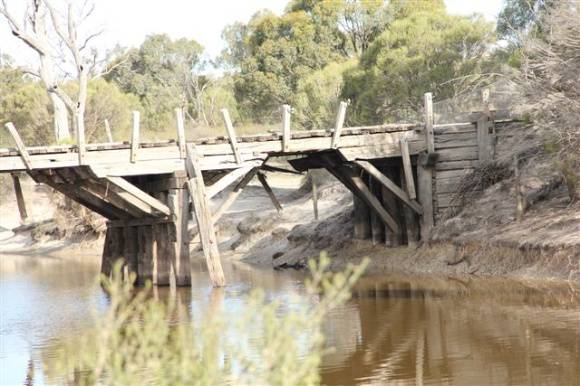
(127, 22)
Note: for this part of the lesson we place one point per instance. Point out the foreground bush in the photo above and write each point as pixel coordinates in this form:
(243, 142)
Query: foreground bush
(141, 341)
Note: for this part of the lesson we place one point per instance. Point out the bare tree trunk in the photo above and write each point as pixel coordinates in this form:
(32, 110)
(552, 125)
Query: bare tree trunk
(61, 124)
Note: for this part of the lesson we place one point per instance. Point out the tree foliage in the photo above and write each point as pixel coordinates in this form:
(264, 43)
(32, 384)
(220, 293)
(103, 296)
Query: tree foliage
(519, 17)
(26, 104)
(318, 96)
(160, 72)
(420, 52)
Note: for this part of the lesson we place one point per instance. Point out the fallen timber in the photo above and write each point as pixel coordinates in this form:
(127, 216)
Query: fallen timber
(401, 176)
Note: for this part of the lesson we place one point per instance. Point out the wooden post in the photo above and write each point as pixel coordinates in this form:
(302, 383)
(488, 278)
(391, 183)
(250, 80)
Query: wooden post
(178, 201)
(314, 194)
(204, 219)
(361, 218)
(339, 124)
(411, 224)
(484, 131)
(429, 123)
(232, 135)
(286, 128)
(392, 239)
(268, 189)
(108, 131)
(135, 137)
(408, 169)
(425, 172)
(81, 144)
(180, 132)
(19, 197)
(19, 145)
(377, 228)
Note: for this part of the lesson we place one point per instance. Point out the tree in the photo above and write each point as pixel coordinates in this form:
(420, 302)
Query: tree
(46, 39)
(272, 53)
(421, 52)
(518, 17)
(25, 103)
(106, 101)
(163, 73)
(318, 96)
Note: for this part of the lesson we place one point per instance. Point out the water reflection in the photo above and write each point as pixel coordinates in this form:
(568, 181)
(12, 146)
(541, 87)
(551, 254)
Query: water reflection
(394, 330)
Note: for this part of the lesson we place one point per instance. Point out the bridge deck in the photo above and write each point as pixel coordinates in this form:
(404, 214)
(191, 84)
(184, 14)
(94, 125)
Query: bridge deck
(113, 159)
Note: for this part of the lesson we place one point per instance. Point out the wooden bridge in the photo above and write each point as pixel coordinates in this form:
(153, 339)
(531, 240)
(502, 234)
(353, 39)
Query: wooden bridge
(144, 189)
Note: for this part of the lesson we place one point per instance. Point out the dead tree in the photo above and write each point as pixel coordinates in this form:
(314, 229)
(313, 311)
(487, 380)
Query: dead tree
(35, 32)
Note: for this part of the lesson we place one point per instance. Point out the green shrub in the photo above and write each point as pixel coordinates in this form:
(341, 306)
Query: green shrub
(142, 341)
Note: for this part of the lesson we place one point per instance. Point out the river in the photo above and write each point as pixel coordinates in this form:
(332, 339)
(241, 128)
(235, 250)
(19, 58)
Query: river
(394, 330)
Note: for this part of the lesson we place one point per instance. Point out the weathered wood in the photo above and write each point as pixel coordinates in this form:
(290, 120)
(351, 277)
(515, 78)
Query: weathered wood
(387, 183)
(361, 219)
(377, 228)
(268, 189)
(166, 158)
(19, 145)
(135, 137)
(107, 256)
(226, 181)
(411, 221)
(425, 190)
(429, 122)
(452, 144)
(131, 249)
(356, 184)
(204, 219)
(231, 197)
(178, 202)
(232, 135)
(408, 169)
(146, 267)
(180, 132)
(339, 124)
(447, 185)
(459, 173)
(83, 197)
(456, 165)
(108, 131)
(19, 198)
(483, 139)
(391, 204)
(286, 135)
(314, 186)
(139, 194)
(138, 222)
(81, 143)
(458, 154)
(454, 128)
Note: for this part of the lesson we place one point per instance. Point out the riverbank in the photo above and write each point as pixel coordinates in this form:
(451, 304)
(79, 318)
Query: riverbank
(482, 239)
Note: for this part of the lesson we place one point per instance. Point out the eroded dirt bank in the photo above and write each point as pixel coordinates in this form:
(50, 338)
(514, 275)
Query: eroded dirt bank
(483, 239)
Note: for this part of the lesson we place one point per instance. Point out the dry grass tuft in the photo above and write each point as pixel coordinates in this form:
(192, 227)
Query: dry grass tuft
(473, 184)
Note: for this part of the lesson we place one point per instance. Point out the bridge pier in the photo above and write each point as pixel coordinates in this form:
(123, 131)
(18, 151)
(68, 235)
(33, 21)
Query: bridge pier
(155, 249)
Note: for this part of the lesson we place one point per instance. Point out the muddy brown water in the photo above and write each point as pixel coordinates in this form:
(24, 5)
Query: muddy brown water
(395, 330)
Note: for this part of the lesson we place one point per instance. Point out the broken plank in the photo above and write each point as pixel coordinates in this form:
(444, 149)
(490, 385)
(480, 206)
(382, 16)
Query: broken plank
(268, 189)
(407, 169)
(125, 185)
(19, 145)
(204, 219)
(226, 180)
